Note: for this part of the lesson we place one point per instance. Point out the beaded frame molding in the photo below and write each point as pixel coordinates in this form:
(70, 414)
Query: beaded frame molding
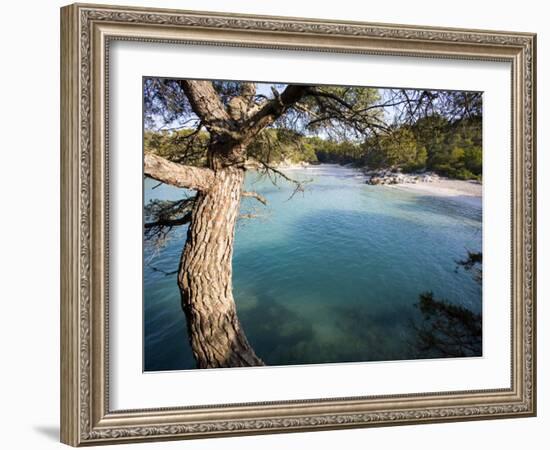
(86, 33)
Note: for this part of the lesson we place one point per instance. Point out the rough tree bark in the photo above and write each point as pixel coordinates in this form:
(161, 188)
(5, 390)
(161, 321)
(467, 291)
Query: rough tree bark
(205, 276)
(205, 272)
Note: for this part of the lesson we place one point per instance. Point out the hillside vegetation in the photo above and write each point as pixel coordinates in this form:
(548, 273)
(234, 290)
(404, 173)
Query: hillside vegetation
(432, 143)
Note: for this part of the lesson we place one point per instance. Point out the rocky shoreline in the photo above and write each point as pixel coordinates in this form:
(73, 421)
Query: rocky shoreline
(388, 176)
(421, 181)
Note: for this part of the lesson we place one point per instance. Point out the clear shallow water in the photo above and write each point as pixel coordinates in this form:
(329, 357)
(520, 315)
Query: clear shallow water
(331, 275)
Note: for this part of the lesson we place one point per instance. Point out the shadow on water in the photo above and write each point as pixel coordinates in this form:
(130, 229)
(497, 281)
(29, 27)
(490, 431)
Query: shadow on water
(277, 334)
(375, 336)
(446, 330)
(452, 207)
(305, 309)
(283, 337)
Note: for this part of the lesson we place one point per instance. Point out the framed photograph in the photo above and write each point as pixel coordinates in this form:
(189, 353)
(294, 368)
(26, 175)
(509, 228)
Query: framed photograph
(281, 224)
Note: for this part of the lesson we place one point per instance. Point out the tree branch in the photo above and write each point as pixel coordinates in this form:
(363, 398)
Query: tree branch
(206, 103)
(273, 109)
(178, 175)
(163, 215)
(334, 108)
(316, 93)
(255, 195)
(169, 222)
(299, 185)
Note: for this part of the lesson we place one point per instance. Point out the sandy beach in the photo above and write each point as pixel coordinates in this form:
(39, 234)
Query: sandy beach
(462, 191)
(468, 192)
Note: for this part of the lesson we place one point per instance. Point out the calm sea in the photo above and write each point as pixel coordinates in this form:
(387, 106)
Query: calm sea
(331, 275)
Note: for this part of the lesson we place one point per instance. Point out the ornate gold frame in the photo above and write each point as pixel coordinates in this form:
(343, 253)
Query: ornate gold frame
(86, 31)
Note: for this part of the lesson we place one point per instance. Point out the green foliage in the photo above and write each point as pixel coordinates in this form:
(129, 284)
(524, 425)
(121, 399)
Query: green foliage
(339, 112)
(399, 148)
(454, 148)
(333, 152)
(412, 129)
(421, 158)
(431, 132)
(431, 143)
(473, 159)
(276, 145)
(182, 146)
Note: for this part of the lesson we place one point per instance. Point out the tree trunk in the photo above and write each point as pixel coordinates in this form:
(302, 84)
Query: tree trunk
(205, 276)
(205, 271)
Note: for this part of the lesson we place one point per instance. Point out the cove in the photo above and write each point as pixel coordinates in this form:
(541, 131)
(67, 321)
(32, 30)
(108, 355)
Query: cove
(330, 275)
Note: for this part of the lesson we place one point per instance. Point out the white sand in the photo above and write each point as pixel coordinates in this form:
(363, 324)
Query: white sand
(467, 192)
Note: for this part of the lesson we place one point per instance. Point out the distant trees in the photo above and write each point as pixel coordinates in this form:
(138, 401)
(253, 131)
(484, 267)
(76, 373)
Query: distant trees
(454, 147)
(399, 148)
(277, 145)
(449, 148)
(334, 152)
(431, 143)
(183, 146)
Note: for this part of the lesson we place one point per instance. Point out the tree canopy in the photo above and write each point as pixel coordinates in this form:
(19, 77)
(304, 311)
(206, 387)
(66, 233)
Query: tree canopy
(414, 130)
(378, 128)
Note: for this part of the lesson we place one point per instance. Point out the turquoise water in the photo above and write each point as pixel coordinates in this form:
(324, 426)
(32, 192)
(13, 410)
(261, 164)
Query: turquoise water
(330, 275)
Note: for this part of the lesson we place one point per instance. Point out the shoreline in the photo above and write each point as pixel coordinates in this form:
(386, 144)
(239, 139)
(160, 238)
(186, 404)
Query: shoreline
(467, 192)
(463, 191)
